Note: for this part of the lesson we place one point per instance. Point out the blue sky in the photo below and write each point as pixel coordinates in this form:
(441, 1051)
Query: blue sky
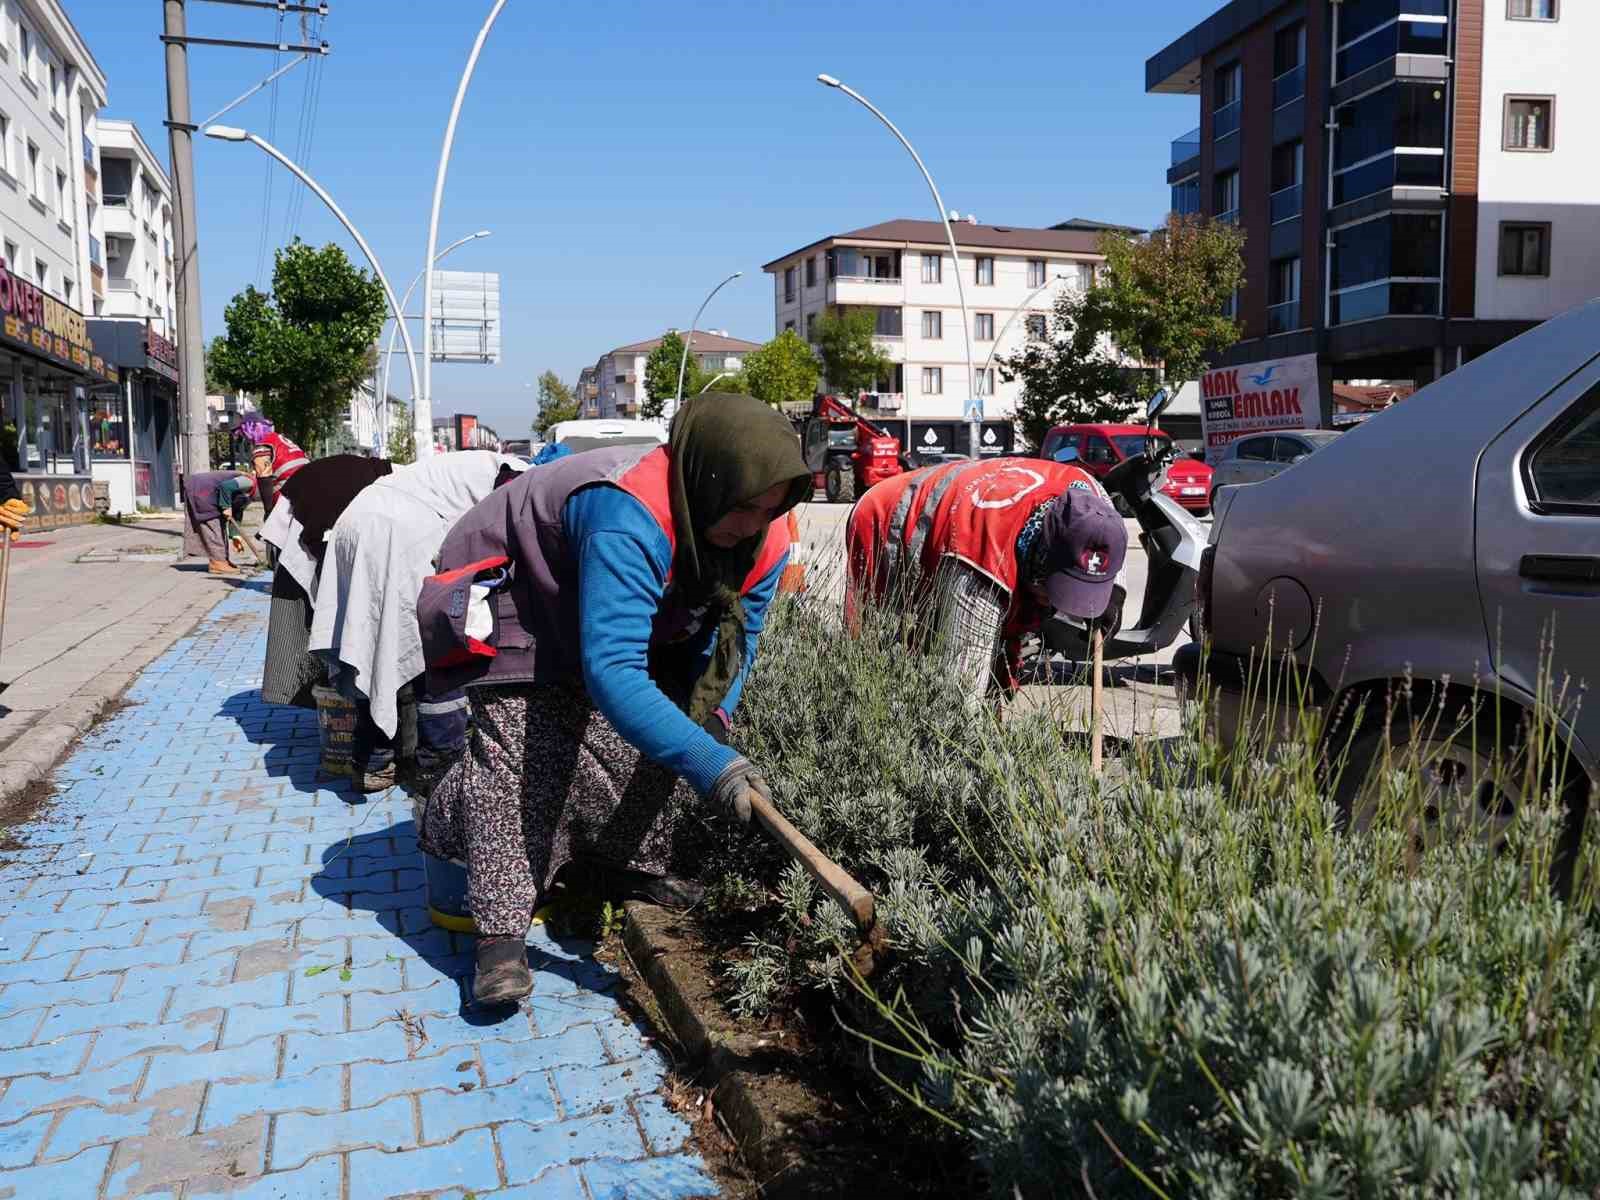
(629, 155)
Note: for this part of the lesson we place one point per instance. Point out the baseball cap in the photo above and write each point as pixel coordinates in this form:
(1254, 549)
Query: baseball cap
(1082, 546)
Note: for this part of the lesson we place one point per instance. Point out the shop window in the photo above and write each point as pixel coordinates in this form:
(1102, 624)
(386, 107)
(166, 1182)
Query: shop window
(108, 428)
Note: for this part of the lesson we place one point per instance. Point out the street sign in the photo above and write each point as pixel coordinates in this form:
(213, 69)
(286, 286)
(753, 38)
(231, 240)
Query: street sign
(466, 316)
(974, 411)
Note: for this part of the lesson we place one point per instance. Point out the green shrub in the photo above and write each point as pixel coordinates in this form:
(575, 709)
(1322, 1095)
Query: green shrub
(1184, 983)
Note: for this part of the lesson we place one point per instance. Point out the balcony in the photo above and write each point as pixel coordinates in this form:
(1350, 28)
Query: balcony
(1225, 121)
(1231, 217)
(1285, 203)
(1186, 147)
(883, 401)
(121, 283)
(88, 150)
(1289, 86)
(95, 259)
(1281, 318)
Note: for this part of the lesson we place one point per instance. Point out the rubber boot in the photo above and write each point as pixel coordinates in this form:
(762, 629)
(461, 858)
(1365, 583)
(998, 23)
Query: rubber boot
(502, 975)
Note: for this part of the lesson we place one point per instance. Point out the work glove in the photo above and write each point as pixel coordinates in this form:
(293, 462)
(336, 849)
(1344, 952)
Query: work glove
(1109, 623)
(732, 789)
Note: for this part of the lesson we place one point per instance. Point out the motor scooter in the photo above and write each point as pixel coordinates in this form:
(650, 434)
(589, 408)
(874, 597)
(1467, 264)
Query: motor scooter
(1173, 542)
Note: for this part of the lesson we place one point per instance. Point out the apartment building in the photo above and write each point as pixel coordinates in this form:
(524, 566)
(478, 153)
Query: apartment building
(903, 272)
(615, 384)
(1412, 177)
(136, 223)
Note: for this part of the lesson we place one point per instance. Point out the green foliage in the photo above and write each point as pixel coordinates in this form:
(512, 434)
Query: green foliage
(851, 361)
(556, 403)
(222, 448)
(402, 442)
(306, 347)
(1181, 979)
(1164, 294)
(784, 371)
(661, 376)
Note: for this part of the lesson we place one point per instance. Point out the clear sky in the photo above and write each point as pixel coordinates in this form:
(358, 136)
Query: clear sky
(627, 156)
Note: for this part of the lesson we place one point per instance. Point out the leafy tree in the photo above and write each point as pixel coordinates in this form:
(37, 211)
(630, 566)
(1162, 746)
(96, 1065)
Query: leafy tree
(1164, 294)
(1071, 374)
(307, 346)
(851, 361)
(661, 376)
(556, 403)
(784, 371)
(402, 443)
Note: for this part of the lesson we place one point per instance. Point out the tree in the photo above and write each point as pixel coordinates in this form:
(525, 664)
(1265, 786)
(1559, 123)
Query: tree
(402, 443)
(1164, 294)
(661, 376)
(306, 347)
(1070, 371)
(851, 360)
(556, 403)
(784, 371)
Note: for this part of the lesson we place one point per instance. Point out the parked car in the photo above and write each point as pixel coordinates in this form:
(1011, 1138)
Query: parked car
(1263, 455)
(591, 434)
(1101, 447)
(1445, 553)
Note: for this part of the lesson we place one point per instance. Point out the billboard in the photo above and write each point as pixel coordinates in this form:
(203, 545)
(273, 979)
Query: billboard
(466, 316)
(1277, 394)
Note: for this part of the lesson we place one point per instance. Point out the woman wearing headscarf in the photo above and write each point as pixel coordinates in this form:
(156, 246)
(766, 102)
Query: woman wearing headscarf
(214, 502)
(364, 612)
(603, 613)
(308, 505)
(274, 457)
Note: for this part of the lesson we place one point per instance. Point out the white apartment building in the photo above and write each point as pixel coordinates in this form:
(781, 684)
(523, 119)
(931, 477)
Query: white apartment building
(136, 228)
(1538, 202)
(902, 270)
(616, 385)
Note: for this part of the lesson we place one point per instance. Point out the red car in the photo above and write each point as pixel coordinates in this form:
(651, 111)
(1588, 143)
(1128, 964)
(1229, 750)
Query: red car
(1101, 447)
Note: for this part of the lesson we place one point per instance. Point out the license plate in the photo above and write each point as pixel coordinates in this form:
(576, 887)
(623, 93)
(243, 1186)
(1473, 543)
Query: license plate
(1196, 491)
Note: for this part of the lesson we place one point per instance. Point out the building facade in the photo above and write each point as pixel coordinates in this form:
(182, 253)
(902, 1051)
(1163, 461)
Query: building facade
(616, 383)
(902, 271)
(1411, 177)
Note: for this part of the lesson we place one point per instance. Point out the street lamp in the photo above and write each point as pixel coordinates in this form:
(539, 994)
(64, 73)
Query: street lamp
(227, 133)
(974, 406)
(1017, 312)
(714, 378)
(683, 359)
(405, 300)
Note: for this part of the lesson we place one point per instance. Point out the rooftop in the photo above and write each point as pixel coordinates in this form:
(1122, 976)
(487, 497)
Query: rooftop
(905, 232)
(1090, 225)
(700, 342)
(1177, 68)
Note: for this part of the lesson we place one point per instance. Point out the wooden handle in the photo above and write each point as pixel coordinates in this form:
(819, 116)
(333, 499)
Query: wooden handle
(5, 577)
(846, 892)
(1097, 702)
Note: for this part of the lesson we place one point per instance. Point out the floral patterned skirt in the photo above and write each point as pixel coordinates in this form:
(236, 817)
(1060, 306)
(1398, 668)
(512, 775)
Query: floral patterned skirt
(547, 780)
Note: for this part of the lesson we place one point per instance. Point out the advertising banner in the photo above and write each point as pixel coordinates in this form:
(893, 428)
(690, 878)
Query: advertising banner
(43, 326)
(160, 355)
(1278, 394)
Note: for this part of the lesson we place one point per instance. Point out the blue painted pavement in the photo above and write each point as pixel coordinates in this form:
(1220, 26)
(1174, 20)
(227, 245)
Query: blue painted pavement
(218, 978)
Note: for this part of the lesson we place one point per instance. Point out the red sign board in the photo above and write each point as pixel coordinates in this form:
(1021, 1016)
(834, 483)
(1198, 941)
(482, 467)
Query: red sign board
(43, 326)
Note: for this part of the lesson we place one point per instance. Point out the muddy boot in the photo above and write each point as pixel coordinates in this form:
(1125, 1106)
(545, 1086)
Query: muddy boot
(668, 891)
(502, 975)
(375, 779)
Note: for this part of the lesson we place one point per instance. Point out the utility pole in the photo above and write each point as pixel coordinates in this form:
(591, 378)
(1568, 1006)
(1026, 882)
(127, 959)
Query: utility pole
(185, 219)
(190, 339)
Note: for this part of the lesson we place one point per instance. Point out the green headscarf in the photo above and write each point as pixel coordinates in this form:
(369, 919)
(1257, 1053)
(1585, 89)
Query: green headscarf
(726, 449)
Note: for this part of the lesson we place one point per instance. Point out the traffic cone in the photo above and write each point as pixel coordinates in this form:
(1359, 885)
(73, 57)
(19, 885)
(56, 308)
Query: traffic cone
(793, 578)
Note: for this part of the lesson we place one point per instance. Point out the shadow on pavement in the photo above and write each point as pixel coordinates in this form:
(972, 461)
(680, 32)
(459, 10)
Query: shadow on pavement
(294, 748)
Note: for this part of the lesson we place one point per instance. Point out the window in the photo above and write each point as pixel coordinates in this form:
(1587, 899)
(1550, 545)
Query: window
(55, 88)
(25, 37)
(1525, 248)
(41, 272)
(1225, 90)
(1083, 276)
(66, 290)
(932, 268)
(1255, 449)
(985, 271)
(1036, 272)
(1564, 471)
(1283, 295)
(11, 255)
(1225, 196)
(887, 323)
(5, 144)
(1532, 10)
(35, 179)
(624, 378)
(1098, 451)
(983, 327)
(932, 381)
(1289, 449)
(985, 381)
(811, 271)
(1036, 326)
(933, 325)
(1186, 196)
(1388, 265)
(788, 325)
(788, 285)
(1288, 65)
(811, 327)
(1287, 167)
(61, 195)
(1528, 123)
(1393, 136)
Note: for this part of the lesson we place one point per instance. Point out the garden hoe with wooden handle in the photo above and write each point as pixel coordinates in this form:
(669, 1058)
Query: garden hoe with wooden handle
(5, 578)
(845, 891)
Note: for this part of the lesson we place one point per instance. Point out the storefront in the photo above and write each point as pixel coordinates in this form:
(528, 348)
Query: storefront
(49, 371)
(134, 429)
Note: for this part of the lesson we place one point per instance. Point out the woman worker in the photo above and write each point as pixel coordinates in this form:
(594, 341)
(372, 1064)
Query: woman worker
(213, 500)
(274, 457)
(603, 612)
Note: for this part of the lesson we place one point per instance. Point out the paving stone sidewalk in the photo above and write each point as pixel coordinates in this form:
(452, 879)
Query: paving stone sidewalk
(218, 978)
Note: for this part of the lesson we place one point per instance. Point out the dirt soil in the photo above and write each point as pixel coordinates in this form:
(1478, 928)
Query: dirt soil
(19, 809)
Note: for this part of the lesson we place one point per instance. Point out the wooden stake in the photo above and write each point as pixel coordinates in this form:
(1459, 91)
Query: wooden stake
(1097, 703)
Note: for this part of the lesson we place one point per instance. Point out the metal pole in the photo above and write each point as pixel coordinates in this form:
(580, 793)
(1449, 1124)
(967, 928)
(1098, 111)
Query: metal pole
(423, 408)
(191, 338)
(976, 424)
(1011, 320)
(406, 299)
(683, 359)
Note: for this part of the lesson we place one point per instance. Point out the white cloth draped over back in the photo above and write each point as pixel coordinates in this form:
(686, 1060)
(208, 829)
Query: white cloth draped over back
(380, 551)
(282, 532)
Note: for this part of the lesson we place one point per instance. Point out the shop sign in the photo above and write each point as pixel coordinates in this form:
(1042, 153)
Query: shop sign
(1278, 394)
(160, 355)
(57, 500)
(43, 326)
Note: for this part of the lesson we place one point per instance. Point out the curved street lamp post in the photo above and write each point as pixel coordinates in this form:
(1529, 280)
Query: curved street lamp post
(683, 359)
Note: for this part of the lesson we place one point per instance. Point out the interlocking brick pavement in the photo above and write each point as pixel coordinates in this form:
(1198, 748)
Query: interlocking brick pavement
(218, 978)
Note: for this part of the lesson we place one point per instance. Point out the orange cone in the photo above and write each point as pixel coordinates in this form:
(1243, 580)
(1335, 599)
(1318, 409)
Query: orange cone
(793, 578)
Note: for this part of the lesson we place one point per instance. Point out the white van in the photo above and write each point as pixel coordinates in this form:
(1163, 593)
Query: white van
(592, 434)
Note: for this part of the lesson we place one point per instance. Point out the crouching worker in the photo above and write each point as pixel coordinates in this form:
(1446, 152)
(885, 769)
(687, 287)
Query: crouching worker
(602, 612)
(983, 552)
(214, 503)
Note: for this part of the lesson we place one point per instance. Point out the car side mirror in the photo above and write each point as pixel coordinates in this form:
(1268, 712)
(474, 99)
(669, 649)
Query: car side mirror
(1066, 454)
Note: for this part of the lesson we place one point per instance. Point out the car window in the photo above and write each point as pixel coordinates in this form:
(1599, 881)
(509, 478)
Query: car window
(1565, 470)
(1133, 443)
(1097, 450)
(1256, 449)
(1052, 443)
(1287, 449)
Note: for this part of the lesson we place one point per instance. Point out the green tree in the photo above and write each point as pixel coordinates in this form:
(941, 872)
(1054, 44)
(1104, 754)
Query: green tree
(1164, 294)
(556, 403)
(784, 371)
(304, 348)
(1070, 371)
(661, 376)
(402, 443)
(851, 361)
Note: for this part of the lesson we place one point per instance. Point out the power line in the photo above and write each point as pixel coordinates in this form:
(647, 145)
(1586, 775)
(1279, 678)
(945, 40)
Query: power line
(269, 172)
(307, 130)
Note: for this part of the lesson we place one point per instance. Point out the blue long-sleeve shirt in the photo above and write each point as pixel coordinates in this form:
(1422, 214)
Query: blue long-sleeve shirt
(623, 560)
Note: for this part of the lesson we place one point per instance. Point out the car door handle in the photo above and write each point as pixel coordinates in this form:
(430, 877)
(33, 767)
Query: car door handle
(1561, 568)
